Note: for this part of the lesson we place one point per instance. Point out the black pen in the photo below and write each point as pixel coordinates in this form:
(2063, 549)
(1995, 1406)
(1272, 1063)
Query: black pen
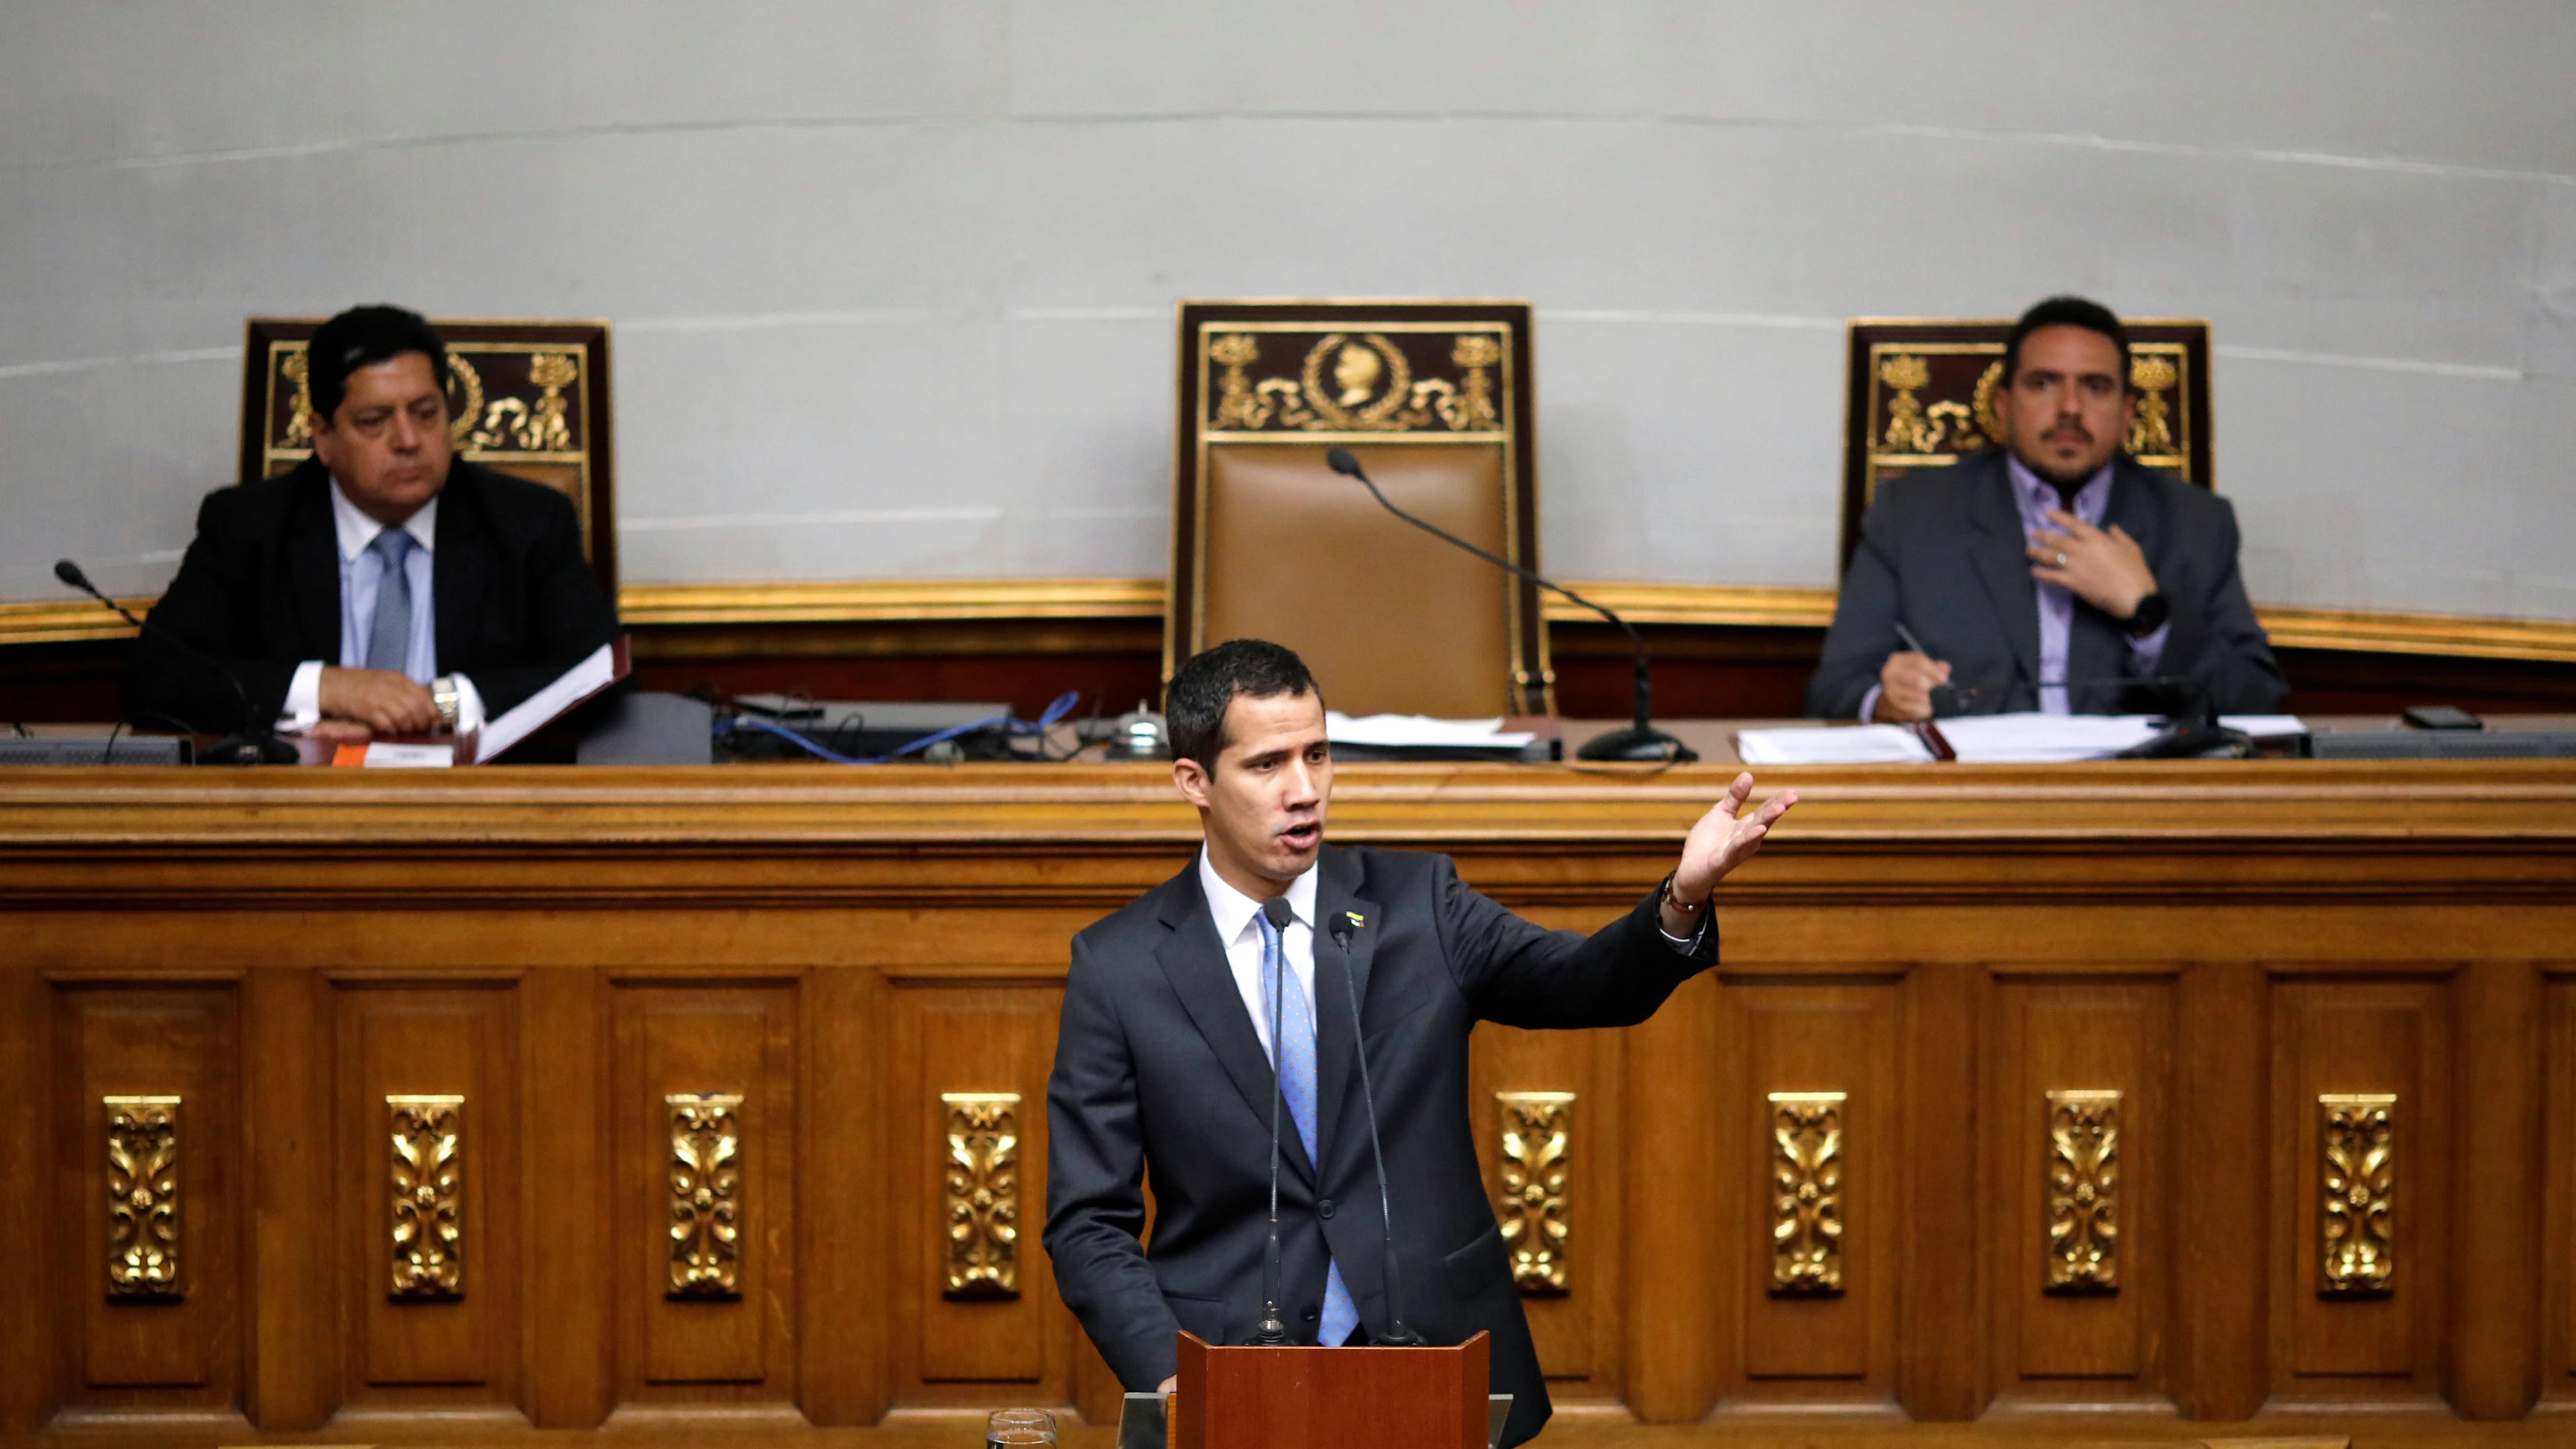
(1910, 641)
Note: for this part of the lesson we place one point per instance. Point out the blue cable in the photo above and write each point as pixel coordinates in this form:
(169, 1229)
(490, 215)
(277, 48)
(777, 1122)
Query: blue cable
(1055, 711)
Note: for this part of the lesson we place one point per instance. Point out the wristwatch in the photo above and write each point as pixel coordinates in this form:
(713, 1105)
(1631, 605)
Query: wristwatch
(2152, 612)
(443, 694)
(1664, 897)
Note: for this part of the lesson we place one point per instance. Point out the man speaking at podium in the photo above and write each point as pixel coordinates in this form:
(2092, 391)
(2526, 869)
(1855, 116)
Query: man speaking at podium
(1165, 1057)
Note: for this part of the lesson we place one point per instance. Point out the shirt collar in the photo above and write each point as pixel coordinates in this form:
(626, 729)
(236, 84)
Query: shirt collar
(2037, 495)
(357, 530)
(1233, 910)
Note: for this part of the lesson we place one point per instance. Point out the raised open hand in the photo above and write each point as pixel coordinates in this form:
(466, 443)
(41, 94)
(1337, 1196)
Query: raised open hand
(1725, 838)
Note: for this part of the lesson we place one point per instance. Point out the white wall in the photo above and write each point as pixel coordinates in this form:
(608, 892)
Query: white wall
(892, 283)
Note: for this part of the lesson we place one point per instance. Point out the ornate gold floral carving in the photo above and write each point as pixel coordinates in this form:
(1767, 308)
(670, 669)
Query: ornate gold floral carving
(982, 1200)
(514, 424)
(298, 367)
(706, 1194)
(2151, 428)
(1355, 381)
(2357, 1229)
(1537, 1139)
(1944, 427)
(1238, 409)
(142, 1197)
(465, 398)
(427, 1195)
(2083, 1207)
(1806, 1193)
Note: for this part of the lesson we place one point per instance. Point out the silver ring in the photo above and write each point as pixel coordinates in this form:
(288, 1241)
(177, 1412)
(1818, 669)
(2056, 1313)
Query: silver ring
(2061, 558)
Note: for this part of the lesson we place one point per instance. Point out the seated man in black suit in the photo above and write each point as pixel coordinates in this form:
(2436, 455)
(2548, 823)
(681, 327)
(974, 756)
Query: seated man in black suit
(2050, 575)
(383, 586)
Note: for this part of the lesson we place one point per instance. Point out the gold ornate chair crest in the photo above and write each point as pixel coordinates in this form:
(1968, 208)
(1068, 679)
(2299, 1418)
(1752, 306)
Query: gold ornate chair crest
(526, 398)
(1922, 394)
(1267, 541)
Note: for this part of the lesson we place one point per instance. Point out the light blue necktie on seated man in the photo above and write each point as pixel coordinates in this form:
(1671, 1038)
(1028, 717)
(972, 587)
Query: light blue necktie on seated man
(389, 641)
(1295, 1054)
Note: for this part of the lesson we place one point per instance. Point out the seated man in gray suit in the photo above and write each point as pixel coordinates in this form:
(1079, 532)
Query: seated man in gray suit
(2052, 575)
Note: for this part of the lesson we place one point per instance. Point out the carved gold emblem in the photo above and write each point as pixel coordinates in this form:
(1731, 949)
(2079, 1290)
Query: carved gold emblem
(298, 367)
(1942, 427)
(1537, 1130)
(2357, 1227)
(1355, 381)
(427, 1195)
(515, 425)
(2082, 1211)
(982, 1200)
(2151, 428)
(142, 1197)
(464, 398)
(1806, 1193)
(706, 1194)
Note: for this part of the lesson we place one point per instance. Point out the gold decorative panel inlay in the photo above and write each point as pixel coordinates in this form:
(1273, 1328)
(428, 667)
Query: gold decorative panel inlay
(1806, 1193)
(2356, 1227)
(2083, 1205)
(1537, 1138)
(706, 1198)
(1905, 431)
(1444, 381)
(426, 1195)
(142, 1197)
(981, 1203)
(515, 401)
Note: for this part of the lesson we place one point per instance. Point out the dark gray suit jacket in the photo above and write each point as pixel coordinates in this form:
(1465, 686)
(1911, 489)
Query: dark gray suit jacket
(1157, 1067)
(1943, 551)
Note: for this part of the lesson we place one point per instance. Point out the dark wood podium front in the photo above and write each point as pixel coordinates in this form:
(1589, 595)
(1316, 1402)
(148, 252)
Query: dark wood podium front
(1330, 1398)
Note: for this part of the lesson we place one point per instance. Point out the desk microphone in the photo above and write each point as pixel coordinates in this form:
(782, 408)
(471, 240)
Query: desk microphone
(256, 742)
(1640, 741)
(1274, 1329)
(1399, 1336)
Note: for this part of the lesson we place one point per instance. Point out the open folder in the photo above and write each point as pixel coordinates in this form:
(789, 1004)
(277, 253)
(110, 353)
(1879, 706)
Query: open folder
(574, 687)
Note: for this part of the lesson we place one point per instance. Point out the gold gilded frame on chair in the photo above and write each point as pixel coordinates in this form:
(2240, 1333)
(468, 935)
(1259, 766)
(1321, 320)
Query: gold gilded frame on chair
(507, 400)
(1894, 424)
(1442, 409)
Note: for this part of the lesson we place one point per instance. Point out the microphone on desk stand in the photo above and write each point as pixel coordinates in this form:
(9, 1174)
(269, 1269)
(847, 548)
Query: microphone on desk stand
(256, 742)
(1398, 1336)
(1640, 740)
(1273, 1330)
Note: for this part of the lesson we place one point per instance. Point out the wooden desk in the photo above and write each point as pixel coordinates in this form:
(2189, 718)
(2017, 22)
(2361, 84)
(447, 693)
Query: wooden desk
(578, 954)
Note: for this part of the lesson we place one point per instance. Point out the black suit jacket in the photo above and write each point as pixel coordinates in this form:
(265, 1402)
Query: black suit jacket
(517, 604)
(1943, 551)
(1157, 1068)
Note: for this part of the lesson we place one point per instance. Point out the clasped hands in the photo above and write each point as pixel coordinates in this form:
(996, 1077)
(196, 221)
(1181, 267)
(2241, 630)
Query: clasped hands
(359, 704)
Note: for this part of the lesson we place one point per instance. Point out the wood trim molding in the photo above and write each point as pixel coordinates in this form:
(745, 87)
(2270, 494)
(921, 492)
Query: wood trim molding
(1774, 606)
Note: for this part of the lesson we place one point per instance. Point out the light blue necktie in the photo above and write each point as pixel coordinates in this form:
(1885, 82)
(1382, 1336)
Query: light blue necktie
(389, 642)
(1295, 1054)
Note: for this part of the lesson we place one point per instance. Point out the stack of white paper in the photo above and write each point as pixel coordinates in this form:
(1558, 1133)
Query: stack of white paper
(1414, 732)
(1877, 744)
(1994, 739)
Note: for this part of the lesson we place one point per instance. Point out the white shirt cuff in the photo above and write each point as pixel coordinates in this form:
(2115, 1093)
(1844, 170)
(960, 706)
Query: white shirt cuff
(303, 707)
(469, 705)
(1869, 703)
(2147, 652)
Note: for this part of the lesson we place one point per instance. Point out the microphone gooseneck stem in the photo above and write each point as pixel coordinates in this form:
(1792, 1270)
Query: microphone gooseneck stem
(256, 742)
(1273, 1329)
(1398, 1336)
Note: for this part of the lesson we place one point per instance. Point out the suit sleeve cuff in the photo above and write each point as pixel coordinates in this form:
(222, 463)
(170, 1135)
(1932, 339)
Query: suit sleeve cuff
(303, 707)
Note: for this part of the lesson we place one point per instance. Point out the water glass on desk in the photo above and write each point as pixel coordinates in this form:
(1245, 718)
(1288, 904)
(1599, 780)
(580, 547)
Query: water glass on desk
(1019, 1429)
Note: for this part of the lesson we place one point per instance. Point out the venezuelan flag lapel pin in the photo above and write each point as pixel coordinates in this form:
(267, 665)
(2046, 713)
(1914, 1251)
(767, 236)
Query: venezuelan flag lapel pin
(1355, 919)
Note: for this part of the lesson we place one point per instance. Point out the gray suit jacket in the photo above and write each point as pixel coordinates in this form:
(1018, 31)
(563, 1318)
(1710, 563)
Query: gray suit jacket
(1943, 552)
(1157, 1068)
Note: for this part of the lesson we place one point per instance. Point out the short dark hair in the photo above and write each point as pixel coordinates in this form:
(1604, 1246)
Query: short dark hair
(363, 337)
(2081, 312)
(1195, 702)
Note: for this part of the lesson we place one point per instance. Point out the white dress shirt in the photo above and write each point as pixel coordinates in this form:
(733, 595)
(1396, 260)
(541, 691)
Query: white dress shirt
(362, 575)
(1236, 925)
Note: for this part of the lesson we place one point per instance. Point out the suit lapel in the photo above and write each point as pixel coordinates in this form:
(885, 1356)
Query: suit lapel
(313, 566)
(1338, 902)
(2003, 563)
(1193, 961)
(456, 568)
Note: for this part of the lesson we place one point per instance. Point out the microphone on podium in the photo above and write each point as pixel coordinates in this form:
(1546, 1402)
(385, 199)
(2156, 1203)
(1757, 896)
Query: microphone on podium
(1274, 1328)
(1397, 1336)
(256, 742)
(1640, 740)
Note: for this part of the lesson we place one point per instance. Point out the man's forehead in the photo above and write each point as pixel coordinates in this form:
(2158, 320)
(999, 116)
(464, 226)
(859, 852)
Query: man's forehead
(2069, 348)
(1256, 725)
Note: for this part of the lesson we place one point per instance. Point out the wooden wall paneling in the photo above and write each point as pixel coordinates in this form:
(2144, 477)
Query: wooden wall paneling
(1577, 1331)
(2068, 1341)
(140, 1358)
(731, 1348)
(1789, 1350)
(288, 1085)
(847, 1219)
(2222, 1215)
(2557, 1166)
(1677, 1259)
(28, 1378)
(567, 1194)
(426, 1348)
(969, 1034)
(1934, 1242)
(2366, 1035)
(2494, 1333)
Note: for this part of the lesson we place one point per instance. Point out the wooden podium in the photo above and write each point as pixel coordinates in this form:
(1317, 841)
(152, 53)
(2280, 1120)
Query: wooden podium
(1330, 1398)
